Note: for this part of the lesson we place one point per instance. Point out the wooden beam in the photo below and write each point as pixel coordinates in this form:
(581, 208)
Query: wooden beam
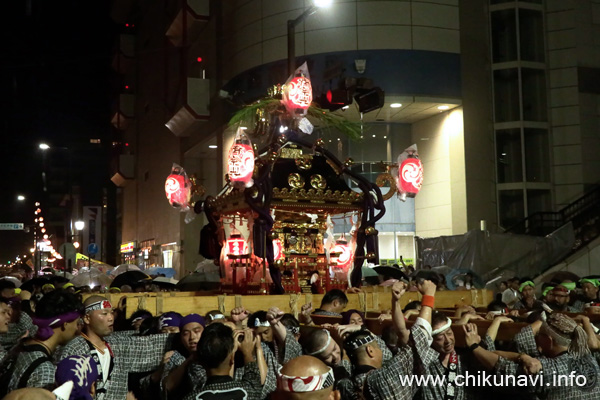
(188, 302)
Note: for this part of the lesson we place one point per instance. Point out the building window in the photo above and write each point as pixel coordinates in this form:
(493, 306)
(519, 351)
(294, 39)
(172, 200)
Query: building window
(167, 258)
(504, 36)
(537, 155)
(509, 155)
(531, 35)
(511, 206)
(506, 95)
(538, 201)
(368, 170)
(534, 94)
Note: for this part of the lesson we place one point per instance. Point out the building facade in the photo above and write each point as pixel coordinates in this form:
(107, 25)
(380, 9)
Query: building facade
(498, 96)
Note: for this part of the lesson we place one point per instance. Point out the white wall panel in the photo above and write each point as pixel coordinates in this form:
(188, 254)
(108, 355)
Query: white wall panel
(330, 40)
(434, 15)
(384, 37)
(435, 39)
(384, 13)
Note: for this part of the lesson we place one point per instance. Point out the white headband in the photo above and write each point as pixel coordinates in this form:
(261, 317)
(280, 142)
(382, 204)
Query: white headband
(355, 344)
(258, 324)
(216, 316)
(99, 305)
(322, 349)
(442, 328)
(304, 384)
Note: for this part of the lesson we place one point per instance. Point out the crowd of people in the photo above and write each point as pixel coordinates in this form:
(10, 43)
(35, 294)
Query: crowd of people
(54, 341)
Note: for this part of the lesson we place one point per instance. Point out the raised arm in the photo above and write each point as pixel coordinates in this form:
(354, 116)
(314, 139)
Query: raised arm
(238, 315)
(492, 330)
(175, 376)
(593, 342)
(460, 311)
(427, 289)
(472, 340)
(398, 290)
(304, 316)
(274, 317)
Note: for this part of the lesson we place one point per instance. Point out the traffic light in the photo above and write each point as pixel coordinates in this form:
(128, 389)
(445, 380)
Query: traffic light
(335, 99)
(369, 99)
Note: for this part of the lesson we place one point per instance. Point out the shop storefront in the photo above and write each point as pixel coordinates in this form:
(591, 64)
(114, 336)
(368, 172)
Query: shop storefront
(127, 252)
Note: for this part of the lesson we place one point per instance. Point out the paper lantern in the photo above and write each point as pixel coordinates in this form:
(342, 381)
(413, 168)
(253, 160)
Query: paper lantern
(177, 191)
(298, 93)
(345, 258)
(241, 159)
(277, 250)
(411, 176)
(236, 246)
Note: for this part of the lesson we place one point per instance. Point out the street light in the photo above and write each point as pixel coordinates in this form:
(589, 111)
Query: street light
(292, 23)
(69, 189)
(79, 225)
(20, 197)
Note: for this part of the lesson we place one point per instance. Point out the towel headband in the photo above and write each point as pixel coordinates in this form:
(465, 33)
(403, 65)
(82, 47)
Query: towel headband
(322, 349)
(442, 328)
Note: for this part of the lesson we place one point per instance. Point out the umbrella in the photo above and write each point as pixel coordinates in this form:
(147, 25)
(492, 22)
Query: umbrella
(561, 276)
(168, 272)
(391, 272)
(458, 274)
(103, 267)
(119, 269)
(426, 274)
(91, 277)
(12, 279)
(59, 280)
(130, 278)
(370, 276)
(32, 283)
(195, 282)
(165, 282)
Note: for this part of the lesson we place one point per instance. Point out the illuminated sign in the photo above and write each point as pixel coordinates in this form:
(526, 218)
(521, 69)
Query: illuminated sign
(127, 247)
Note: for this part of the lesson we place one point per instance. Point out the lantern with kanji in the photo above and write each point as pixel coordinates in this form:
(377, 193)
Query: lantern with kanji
(236, 245)
(178, 188)
(241, 160)
(297, 93)
(411, 176)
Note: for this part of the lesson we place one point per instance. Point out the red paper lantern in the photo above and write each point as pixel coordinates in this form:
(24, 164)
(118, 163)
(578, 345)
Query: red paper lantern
(236, 246)
(241, 163)
(411, 176)
(299, 93)
(277, 250)
(345, 257)
(178, 193)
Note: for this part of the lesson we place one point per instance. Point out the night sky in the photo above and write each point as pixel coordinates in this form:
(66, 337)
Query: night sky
(56, 86)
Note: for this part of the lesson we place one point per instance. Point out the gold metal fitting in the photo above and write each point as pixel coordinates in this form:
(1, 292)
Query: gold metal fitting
(370, 231)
